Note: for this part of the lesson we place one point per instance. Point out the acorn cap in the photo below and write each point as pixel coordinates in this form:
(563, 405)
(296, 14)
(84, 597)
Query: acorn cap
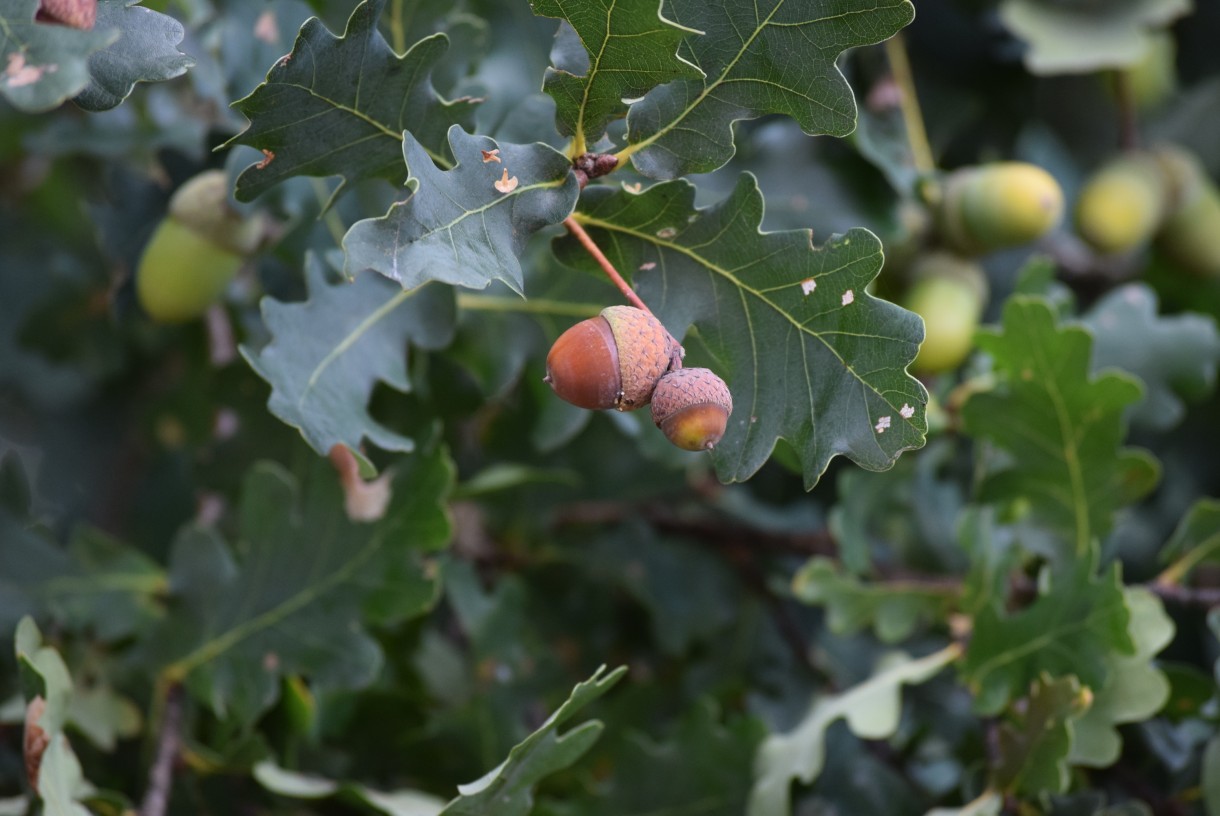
(202, 204)
(645, 353)
(692, 407)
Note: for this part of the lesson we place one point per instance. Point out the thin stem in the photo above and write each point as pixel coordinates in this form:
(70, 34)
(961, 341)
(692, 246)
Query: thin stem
(397, 32)
(334, 224)
(1124, 98)
(604, 262)
(612, 273)
(161, 774)
(912, 116)
(542, 306)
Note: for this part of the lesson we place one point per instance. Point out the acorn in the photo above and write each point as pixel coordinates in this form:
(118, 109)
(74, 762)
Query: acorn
(692, 406)
(1124, 203)
(998, 205)
(1190, 234)
(611, 361)
(195, 251)
(949, 292)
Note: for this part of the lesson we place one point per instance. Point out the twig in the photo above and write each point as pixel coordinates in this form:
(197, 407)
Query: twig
(1206, 597)
(593, 249)
(1124, 98)
(161, 774)
(912, 116)
(604, 262)
(717, 530)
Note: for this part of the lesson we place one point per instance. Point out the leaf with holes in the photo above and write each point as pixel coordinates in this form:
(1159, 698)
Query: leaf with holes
(1060, 428)
(147, 51)
(610, 51)
(871, 709)
(808, 354)
(772, 56)
(1175, 356)
(1073, 627)
(508, 789)
(296, 603)
(328, 353)
(42, 64)
(467, 226)
(338, 106)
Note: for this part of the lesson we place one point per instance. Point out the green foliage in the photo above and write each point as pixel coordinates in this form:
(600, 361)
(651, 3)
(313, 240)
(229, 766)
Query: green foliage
(871, 709)
(1070, 38)
(1032, 752)
(686, 127)
(343, 341)
(1060, 427)
(805, 311)
(1070, 629)
(235, 627)
(466, 226)
(1175, 357)
(329, 543)
(341, 106)
(614, 51)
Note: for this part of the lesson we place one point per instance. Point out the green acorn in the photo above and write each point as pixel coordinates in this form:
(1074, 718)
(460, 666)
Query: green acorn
(949, 293)
(195, 251)
(993, 206)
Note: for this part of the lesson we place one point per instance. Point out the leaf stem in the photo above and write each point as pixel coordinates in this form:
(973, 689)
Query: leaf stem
(542, 306)
(397, 32)
(912, 115)
(169, 741)
(604, 262)
(593, 249)
(1124, 99)
(334, 224)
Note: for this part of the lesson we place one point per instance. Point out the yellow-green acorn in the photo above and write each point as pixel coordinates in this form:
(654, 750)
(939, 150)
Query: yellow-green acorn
(1123, 204)
(949, 293)
(611, 361)
(993, 206)
(1190, 234)
(692, 406)
(195, 251)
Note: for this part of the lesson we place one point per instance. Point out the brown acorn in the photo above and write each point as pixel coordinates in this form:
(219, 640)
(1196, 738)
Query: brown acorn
(611, 361)
(692, 407)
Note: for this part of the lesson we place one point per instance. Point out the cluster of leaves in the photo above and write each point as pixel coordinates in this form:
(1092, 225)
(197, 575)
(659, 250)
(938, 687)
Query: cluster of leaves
(337, 548)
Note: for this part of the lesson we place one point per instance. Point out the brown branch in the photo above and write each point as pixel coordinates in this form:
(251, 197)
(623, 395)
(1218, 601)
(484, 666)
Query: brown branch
(1206, 597)
(161, 774)
(604, 262)
(717, 530)
(1124, 97)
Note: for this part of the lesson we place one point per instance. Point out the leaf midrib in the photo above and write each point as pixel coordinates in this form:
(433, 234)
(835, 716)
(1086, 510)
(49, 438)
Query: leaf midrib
(217, 646)
(587, 220)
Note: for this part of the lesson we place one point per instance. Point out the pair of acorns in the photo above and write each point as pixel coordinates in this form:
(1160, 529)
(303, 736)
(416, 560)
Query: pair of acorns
(625, 359)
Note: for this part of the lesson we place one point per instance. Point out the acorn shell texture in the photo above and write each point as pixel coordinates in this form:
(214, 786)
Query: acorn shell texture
(645, 352)
(692, 406)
